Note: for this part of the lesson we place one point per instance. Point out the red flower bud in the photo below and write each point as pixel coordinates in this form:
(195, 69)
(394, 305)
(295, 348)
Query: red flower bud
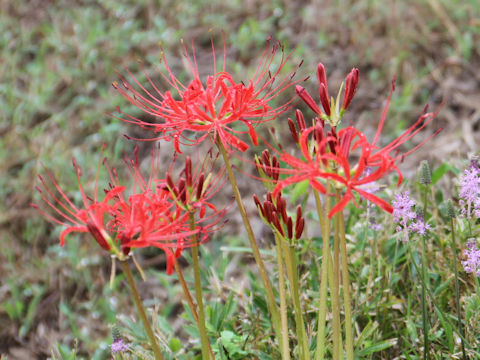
(351, 83)
(293, 130)
(188, 171)
(300, 120)
(324, 99)
(276, 223)
(290, 227)
(299, 228)
(97, 234)
(322, 77)
(182, 190)
(201, 179)
(307, 99)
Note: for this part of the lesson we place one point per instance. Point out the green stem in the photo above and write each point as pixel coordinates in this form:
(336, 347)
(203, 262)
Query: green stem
(362, 259)
(272, 305)
(283, 301)
(457, 288)
(346, 286)
(334, 281)
(188, 296)
(322, 311)
(141, 311)
(426, 354)
(198, 295)
(291, 264)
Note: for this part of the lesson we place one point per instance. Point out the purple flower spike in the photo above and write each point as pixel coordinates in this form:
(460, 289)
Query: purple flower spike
(408, 221)
(403, 212)
(472, 263)
(470, 190)
(118, 346)
(419, 226)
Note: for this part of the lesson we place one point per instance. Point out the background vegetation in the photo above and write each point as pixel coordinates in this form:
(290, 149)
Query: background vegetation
(57, 63)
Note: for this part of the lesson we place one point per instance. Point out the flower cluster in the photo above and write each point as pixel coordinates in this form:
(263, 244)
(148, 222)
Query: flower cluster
(407, 219)
(274, 213)
(190, 113)
(346, 158)
(156, 212)
(472, 262)
(118, 345)
(470, 190)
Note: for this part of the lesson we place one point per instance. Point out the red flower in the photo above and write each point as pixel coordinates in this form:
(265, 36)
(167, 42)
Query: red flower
(190, 113)
(332, 159)
(91, 218)
(149, 216)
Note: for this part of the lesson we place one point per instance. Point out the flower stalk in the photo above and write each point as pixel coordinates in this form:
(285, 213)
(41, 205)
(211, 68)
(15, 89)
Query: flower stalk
(141, 310)
(451, 215)
(426, 180)
(283, 301)
(272, 306)
(291, 264)
(322, 309)
(347, 301)
(198, 295)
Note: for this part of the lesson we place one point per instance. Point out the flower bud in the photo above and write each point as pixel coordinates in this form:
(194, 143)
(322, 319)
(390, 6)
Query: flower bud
(97, 235)
(307, 99)
(188, 171)
(351, 83)
(290, 227)
(300, 120)
(201, 180)
(293, 130)
(425, 173)
(299, 228)
(322, 90)
(450, 210)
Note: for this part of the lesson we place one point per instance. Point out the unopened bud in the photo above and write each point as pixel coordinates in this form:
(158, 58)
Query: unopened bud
(425, 173)
(290, 227)
(116, 334)
(450, 210)
(97, 235)
(201, 179)
(293, 130)
(307, 99)
(350, 87)
(300, 120)
(188, 171)
(322, 90)
(299, 226)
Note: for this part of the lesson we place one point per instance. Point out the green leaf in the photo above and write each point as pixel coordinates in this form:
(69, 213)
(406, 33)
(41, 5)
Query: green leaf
(299, 189)
(382, 345)
(439, 172)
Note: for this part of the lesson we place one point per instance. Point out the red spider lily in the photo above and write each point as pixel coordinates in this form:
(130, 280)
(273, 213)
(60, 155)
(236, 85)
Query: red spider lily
(91, 218)
(190, 113)
(331, 159)
(158, 213)
(149, 216)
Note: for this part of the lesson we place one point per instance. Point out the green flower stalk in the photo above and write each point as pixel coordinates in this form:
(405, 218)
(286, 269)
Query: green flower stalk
(451, 215)
(426, 180)
(141, 311)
